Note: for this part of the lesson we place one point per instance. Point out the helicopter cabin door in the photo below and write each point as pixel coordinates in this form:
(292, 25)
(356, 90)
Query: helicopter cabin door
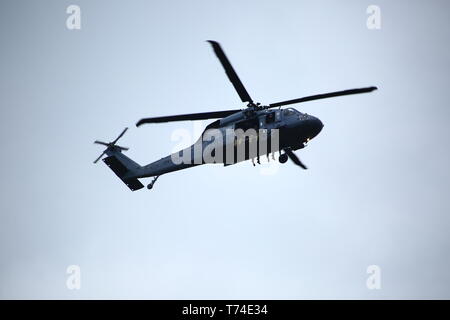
(271, 119)
(246, 133)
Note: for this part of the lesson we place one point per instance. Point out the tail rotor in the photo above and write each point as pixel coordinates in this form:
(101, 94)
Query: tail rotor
(111, 145)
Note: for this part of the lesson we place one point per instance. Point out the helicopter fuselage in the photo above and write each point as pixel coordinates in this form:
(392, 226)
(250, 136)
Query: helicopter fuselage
(294, 128)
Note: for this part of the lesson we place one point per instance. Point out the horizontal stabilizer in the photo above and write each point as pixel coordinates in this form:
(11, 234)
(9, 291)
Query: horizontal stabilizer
(120, 170)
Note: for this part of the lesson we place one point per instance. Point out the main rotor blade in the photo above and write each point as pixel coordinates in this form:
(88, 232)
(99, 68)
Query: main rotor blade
(294, 158)
(323, 96)
(120, 135)
(232, 75)
(189, 116)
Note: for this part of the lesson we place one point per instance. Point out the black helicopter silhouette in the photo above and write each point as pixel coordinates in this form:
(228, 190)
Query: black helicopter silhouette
(294, 131)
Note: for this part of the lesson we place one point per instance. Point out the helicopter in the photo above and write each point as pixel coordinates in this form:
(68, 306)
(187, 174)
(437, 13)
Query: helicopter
(284, 130)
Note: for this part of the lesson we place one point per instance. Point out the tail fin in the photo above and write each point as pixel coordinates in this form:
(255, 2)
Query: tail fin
(120, 164)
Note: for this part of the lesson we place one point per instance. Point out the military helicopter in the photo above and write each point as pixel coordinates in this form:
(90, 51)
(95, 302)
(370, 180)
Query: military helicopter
(294, 130)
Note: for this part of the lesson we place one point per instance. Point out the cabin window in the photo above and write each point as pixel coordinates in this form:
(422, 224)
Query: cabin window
(270, 117)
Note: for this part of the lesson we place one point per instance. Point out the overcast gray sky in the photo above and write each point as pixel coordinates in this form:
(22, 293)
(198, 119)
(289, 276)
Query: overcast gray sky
(376, 192)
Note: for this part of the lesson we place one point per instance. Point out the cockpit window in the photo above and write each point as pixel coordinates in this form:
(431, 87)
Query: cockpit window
(288, 112)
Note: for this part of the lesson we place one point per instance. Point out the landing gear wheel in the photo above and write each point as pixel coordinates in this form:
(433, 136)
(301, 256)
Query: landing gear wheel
(283, 158)
(150, 185)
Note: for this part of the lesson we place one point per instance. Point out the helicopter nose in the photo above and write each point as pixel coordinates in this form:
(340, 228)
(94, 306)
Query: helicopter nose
(315, 126)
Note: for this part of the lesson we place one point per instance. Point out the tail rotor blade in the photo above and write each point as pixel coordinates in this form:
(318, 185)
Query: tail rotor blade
(96, 160)
(101, 142)
(120, 135)
(294, 158)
